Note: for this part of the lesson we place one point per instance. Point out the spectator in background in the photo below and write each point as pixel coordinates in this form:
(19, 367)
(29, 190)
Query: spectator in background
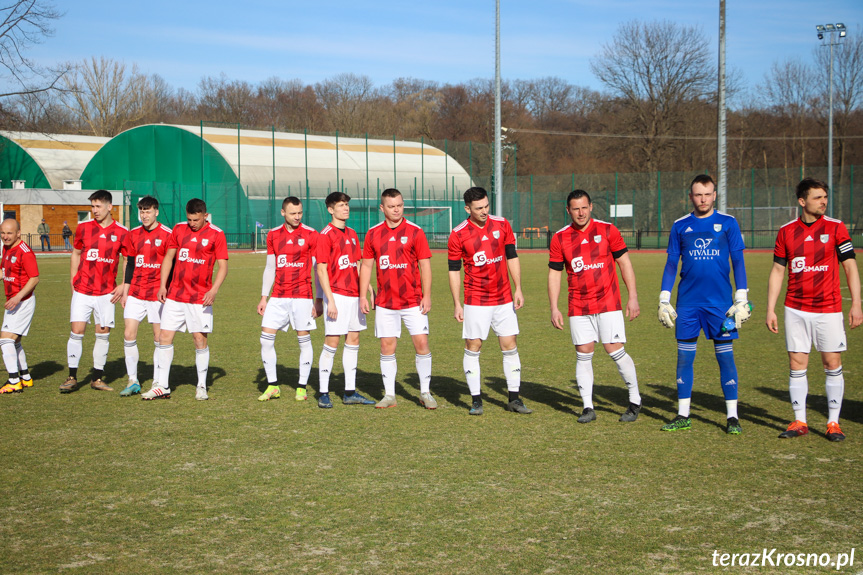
(67, 233)
(43, 230)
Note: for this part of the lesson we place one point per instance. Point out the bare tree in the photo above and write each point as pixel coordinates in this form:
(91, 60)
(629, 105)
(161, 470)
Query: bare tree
(790, 91)
(347, 99)
(655, 70)
(229, 101)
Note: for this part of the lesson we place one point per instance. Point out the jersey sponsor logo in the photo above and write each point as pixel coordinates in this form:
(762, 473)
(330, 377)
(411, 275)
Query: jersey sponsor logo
(282, 262)
(93, 256)
(384, 263)
(184, 257)
(577, 265)
(140, 263)
(702, 250)
(480, 259)
(345, 262)
(10, 279)
(798, 265)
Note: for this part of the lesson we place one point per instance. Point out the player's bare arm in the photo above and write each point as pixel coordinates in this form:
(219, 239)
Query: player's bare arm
(554, 296)
(324, 278)
(774, 286)
(425, 282)
(455, 290)
(365, 279)
(28, 288)
(75, 262)
(165, 273)
(117, 292)
(221, 274)
(628, 275)
(855, 316)
(514, 267)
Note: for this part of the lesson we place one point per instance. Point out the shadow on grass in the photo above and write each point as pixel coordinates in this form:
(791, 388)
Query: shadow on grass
(530, 391)
(852, 410)
(45, 369)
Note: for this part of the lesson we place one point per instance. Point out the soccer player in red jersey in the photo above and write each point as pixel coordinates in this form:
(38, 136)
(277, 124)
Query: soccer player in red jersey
(589, 249)
(20, 276)
(197, 246)
(338, 256)
(94, 287)
(812, 247)
(290, 258)
(145, 248)
(486, 244)
(397, 249)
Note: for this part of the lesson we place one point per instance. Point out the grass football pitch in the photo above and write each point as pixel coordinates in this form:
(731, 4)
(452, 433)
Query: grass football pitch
(96, 483)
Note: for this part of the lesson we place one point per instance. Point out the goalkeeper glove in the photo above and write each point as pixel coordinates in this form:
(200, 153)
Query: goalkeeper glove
(666, 312)
(741, 310)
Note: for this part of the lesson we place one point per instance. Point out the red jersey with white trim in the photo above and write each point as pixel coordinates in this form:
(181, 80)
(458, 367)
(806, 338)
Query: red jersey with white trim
(588, 256)
(148, 248)
(19, 265)
(812, 257)
(482, 249)
(396, 252)
(294, 250)
(196, 256)
(339, 250)
(101, 249)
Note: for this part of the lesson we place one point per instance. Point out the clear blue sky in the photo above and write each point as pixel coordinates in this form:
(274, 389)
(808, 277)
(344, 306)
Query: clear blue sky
(447, 40)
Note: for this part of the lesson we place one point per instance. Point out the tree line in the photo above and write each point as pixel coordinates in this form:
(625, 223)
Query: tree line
(657, 111)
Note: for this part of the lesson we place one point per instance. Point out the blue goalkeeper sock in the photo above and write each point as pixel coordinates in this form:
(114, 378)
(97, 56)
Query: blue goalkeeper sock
(685, 375)
(727, 375)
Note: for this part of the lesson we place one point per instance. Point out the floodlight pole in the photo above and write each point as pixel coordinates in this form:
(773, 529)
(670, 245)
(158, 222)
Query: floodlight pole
(822, 30)
(498, 166)
(721, 151)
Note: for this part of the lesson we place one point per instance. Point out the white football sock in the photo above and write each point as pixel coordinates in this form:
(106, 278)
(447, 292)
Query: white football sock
(424, 367)
(349, 363)
(130, 349)
(202, 364)
(10, 358)
(471, 371)
(325, 368)
(155, 361)
(268, 355)
(389, 368)
(306, 357)
(512, 370)
(731, 408)
(626, 369)
(798, 389)
(683, 405)
(100, 351)
(74, 349)
(22, 357)
(166, 357)
(584, 377)
(834, 385)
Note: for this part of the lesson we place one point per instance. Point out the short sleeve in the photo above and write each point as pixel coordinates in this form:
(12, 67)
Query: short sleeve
(509, 237)
(421, 246)
(322, 253)
(779, 250)
(454, 251)
(555, 250)
(615, 240)
(79, 238)
(29, 263)
(221, 247)
(128, 248)
(271, 249)
(369, 247)
(173, 242)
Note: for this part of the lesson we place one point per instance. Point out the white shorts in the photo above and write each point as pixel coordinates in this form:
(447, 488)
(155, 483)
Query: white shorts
(138, 309)
(607, 327)
(350, 317)
(388, 322)
(282, 313)
(803, 328)
(18, 319)
(194, 317)
(478, 318)
(98, 305)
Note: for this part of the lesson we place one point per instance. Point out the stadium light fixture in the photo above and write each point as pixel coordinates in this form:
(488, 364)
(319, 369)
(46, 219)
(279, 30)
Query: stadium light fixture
(831, 30)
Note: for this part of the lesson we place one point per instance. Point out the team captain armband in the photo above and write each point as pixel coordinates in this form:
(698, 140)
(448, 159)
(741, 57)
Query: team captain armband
(619, 253)
(509, 249)
(556, 266)
(781, 261)
(845, 251)
(454, 265)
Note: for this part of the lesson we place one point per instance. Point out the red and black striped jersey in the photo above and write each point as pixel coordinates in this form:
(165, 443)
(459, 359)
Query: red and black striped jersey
(19, 265)
(396, 252)
(101, 249)
(148, 248)
(812, 254)
(588, 256)
(194, 261)
(294, 250)
(339, 250)
(483, 251)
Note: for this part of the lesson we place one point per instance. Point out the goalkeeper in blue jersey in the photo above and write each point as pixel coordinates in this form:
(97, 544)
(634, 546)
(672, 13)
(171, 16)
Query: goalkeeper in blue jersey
(705, 240)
